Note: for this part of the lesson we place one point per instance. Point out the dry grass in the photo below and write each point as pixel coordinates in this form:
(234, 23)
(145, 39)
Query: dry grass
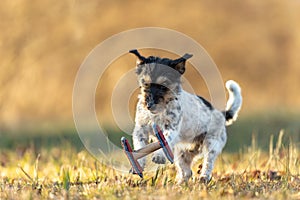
(60, 173)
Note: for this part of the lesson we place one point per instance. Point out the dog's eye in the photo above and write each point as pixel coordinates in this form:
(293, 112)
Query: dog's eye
(146, 85)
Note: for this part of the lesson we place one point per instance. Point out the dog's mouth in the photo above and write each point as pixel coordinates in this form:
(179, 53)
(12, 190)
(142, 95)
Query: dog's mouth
(152, 103)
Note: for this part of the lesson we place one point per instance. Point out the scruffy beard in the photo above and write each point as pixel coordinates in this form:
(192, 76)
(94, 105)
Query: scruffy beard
(157, 108)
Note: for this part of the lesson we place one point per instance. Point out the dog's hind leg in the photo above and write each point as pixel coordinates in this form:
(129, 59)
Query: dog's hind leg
(207, 166)
(183, 158)
(212, 147)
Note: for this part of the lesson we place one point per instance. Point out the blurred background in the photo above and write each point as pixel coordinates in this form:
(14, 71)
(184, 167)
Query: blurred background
(43, 44)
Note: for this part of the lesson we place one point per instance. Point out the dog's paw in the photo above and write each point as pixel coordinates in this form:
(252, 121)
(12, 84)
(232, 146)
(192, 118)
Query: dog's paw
(204, 179)
(159, 158)
(183, 176)
(131, 171)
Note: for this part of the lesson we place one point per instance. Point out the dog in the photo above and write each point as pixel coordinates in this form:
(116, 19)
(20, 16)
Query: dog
(191, 125)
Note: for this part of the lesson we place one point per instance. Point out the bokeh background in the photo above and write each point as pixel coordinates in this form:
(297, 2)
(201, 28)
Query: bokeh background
(43, 43)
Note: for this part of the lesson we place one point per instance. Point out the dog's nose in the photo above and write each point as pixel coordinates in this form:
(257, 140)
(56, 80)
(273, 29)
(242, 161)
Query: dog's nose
(149, 101)
(150, 104)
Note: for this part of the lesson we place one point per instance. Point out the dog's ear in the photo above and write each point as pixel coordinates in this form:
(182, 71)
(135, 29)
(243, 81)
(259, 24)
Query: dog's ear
(179, 64)
(140, 59)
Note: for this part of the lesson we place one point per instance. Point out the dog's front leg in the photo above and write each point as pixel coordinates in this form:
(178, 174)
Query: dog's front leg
(171, 127)
(172, 137)
(140, 139)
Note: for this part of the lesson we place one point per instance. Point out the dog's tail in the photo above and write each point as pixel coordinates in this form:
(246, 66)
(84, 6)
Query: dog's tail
(234, 102)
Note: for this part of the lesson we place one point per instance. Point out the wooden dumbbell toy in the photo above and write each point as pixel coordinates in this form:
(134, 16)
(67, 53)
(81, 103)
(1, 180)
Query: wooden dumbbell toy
(133, 156)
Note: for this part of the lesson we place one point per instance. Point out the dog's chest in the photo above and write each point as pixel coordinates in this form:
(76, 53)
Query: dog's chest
(170, 117)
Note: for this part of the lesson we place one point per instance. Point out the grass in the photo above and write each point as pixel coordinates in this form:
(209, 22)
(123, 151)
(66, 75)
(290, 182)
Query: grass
(68, 172)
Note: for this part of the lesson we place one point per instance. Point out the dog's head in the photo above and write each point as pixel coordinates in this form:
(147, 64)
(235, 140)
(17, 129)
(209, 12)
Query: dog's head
(159, 79)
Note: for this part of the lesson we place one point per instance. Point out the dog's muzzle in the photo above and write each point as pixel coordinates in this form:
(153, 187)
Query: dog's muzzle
(154, 94)
(149, 102)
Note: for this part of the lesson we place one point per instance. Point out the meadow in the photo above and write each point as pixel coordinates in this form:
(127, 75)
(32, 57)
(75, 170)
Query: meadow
(59, 167)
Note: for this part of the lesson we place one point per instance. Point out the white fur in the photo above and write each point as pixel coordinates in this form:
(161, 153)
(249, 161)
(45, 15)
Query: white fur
(235, 100)
(191, 120)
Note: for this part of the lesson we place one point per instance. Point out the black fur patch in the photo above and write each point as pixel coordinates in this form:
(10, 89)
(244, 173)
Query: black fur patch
(173, 64)
(228, 115)
(206, 103)
(155, 92)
